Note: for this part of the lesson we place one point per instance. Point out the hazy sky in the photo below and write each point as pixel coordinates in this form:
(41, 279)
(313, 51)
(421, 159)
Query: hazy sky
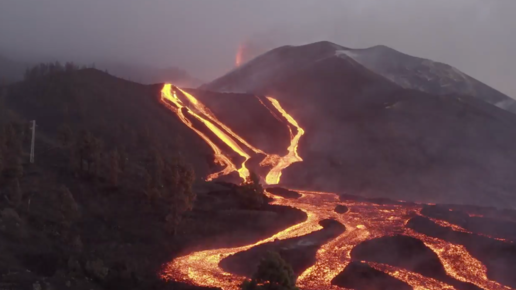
(201, 36)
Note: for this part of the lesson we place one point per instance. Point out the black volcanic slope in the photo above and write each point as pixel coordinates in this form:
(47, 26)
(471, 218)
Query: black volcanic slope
(498, 257)
(367, 135)
(426, 75)
(248, 118)
(408, 253)
(361, 276)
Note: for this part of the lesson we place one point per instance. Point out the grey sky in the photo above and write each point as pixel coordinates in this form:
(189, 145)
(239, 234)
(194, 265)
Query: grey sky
(201, 36)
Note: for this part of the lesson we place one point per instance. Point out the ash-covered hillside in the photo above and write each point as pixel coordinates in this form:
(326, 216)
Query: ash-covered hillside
(370, 136)
(426, 75)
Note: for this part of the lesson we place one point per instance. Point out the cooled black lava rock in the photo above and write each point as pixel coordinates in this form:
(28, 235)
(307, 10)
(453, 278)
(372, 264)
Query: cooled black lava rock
(341, 209)
(407, 253)
(499, 257)
(283, 192)
(489, 226)
(375, 200)
(360, 276)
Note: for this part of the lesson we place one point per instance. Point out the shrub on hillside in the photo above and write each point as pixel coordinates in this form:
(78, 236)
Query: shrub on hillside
(251, 193)
(273, 273)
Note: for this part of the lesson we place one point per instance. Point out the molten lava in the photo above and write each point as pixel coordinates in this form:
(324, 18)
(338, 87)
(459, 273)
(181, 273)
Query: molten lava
(363, 220)
(283, 162)
(202, 113)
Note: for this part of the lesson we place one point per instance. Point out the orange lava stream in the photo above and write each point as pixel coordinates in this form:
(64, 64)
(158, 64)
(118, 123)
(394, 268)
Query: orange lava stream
(204, 110)
(363, 221)
(273, 177)
(202, 268)
(220, 158)
(199, 111)
(457, 262)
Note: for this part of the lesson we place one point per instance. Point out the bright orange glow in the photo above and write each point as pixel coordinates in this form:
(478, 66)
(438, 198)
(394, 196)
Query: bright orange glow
(204, 110)
(220, 158)
(273, 177)
(239, 58)
(202, 113)
(363, 221)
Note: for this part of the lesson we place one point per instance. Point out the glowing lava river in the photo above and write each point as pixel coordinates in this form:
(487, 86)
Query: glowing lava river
(363, 221)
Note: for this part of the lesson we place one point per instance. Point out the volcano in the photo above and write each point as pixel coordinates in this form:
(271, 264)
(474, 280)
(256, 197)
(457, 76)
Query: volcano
(426, 75)
(368, 135)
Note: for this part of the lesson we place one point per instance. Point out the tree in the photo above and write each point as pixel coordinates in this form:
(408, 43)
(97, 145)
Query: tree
(114, 167)
(178, 193)
(251, 193)
(273, 273)
(14, 167)
(15, 194)
(67, 205)
(88, 149)
(65, 135)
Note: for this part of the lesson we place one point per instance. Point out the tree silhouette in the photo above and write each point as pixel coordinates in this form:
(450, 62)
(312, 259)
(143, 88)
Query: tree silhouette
(251, 193)
(177, 192)
(114, 167)
(67, 205)
(88, 149)
(273, 273)
(65, 135)
(15, 193)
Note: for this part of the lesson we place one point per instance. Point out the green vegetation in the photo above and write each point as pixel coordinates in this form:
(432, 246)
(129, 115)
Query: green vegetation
(273, 273)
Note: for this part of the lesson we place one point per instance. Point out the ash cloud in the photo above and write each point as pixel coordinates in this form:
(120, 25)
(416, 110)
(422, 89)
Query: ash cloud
(202, 36)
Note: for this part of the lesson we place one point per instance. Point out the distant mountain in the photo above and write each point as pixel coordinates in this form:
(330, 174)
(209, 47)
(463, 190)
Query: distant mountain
(368, 135)
(145, 74)
(426, 75)
(407, 71)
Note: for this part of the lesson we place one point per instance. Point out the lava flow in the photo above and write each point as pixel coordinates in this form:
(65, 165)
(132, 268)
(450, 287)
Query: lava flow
(363, 221)
(199, 111)
(273, 177)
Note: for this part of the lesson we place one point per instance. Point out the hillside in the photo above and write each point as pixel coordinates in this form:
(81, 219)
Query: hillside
(366, 135)
(426, 75)
(146, 74)
(101, 206)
